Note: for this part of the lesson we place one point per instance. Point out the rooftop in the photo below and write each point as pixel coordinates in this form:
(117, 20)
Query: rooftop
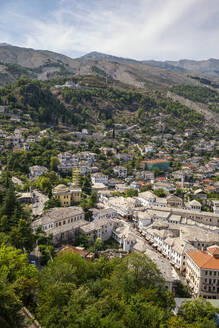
(154, 161)
(204, 260)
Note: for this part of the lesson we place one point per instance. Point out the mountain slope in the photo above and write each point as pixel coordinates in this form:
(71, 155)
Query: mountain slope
(209, 67)
(42, 64)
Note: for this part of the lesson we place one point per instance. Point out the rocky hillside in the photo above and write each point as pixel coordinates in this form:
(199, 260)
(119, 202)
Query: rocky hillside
(209, 67)
(16, 62)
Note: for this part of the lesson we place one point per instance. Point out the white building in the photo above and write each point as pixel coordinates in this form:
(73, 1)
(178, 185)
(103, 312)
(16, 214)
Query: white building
(99, 178)
(120, 171)
(37, 170)
(101, 228)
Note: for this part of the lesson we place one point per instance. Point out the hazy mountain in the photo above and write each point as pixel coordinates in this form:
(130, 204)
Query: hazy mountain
(209, 67)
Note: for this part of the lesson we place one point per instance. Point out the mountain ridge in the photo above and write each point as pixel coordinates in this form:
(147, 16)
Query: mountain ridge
(17, 62)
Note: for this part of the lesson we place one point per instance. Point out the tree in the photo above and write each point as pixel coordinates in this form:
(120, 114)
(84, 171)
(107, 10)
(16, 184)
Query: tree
(98, 245)
(159, 192)
(18, 282)
(131, 193)
(86, 184)
(21, 236)
(51, 203)
(54, 162)
(197, 310)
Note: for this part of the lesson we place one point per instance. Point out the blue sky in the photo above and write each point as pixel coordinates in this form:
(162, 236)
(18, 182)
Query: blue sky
(141, 29)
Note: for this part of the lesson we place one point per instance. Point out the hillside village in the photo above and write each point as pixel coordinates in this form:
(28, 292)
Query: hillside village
(155, 193)
(97, 173)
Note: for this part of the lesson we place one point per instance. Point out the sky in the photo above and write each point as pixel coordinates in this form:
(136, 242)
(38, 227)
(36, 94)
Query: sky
(138, 29)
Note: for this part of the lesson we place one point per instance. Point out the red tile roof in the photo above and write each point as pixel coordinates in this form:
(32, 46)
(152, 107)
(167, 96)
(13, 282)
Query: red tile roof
(214, 250)
(161, 178)
(207, 181)
(205, 260)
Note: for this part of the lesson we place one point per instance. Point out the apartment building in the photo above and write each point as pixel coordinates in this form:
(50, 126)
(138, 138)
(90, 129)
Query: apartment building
(202, 272)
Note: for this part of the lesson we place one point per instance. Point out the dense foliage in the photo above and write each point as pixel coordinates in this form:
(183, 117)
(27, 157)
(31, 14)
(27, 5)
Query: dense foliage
(204, 95)
(36, 99)
(72, 292)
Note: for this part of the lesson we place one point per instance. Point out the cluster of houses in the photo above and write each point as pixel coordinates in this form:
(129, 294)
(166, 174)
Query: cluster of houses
(173, 230)
(178, 235)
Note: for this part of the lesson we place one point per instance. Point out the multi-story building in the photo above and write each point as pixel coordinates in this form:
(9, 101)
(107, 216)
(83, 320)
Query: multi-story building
(37, 170)
(202, 273)
(99, 178)
(120, 171)
(67, 195)
(174, 201)
(174, 241)
(106, 213)
(62, 223)
(101, 228)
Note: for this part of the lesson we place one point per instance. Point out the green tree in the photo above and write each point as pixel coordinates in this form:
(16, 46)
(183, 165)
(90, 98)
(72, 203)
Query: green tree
(86, 184)
(54, 162)
(51, 203)
(18, 283)
(159, 192)
(197, 310)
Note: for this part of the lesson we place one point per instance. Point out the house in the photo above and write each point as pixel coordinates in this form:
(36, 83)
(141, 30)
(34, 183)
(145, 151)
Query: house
(174, 201)
(124, 237)
(62, 222)
(199, 193)
(194, 205)
(169, 274)
(36, 170)
(147, 198)
(4, 109)
(99, 178)
(25, 197)
(150, 148)
(123, 206)
(144, 219)
(215, 206)
(124, 157)
(202, 273)
(87, 156)
(101, 228)
(99, 187)
(106, 213)
(120, 171)
(145, 175)
(78, 250)
(166, 186)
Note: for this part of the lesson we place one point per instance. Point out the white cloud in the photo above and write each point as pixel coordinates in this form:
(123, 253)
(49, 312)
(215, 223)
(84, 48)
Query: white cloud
(142, 29)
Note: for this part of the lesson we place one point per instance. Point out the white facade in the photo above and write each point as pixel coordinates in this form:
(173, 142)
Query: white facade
(99, 178)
